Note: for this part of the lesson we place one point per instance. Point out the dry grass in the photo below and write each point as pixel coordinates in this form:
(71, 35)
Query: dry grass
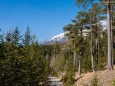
(105, 78)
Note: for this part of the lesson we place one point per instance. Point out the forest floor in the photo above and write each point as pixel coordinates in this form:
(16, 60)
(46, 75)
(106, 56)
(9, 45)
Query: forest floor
(105, 78)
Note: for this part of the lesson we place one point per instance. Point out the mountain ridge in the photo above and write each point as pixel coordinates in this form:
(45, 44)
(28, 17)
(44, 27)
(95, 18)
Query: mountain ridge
(60, 38)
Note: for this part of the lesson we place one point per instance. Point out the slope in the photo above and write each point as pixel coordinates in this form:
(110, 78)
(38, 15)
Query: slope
(105, 78)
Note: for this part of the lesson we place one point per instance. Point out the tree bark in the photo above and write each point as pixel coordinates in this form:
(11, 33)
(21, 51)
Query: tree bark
(112, 43)
(109, 37)
(92, 58)
(97, 44)
(79, 65)
(74, 57)
(91, 47)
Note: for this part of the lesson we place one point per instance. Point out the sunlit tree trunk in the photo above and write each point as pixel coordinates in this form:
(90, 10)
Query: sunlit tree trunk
(80, 52)
(91, 48)
(74, 57)
(91, 44)
(109, 33)
(111, 42)
(79, 65)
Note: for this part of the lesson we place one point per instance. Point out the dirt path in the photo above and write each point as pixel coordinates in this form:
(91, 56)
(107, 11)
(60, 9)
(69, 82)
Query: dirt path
(53, 81)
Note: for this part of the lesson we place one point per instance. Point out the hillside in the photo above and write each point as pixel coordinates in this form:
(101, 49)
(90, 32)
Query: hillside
(105, 78)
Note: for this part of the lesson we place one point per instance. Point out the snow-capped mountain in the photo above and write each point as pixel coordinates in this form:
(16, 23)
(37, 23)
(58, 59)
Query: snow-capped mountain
(60, 38)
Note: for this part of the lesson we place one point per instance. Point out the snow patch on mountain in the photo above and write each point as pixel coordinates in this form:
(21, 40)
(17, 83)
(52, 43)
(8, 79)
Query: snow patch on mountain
(104, 24)
(60, 38)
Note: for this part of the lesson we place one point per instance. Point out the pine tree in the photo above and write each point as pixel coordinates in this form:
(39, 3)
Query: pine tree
(72, 36)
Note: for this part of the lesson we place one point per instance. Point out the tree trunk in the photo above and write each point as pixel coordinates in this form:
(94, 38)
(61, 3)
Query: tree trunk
(79, 65)
(97, 44)
(80, 53)
(92, 60)
(91, 47)
(112, 43)
(109, 37)
(74, 57)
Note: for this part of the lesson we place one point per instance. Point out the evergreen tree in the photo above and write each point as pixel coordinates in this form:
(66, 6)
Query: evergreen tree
(16, 37)
(27, 37)
(72, 36)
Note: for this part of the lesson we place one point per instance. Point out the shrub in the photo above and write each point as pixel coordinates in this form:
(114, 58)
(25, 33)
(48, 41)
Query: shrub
(95, 81)
(113, 83)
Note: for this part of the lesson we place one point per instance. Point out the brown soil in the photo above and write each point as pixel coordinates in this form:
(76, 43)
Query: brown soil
(105, 78)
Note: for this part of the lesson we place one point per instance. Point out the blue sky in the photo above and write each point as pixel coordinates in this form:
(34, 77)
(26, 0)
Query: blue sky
(45, 18)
